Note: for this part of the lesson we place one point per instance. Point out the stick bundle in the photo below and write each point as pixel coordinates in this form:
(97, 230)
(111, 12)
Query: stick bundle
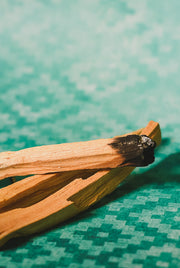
(39, 202)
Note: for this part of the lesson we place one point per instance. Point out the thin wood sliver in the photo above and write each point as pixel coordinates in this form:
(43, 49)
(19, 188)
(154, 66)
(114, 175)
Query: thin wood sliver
(35, 188)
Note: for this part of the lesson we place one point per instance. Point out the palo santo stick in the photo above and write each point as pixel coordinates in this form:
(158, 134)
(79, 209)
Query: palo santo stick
(74, 197)
(33, 189)
(96, 154)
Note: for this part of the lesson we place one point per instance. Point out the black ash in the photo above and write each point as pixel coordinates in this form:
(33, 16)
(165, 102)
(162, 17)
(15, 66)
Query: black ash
(138, 150)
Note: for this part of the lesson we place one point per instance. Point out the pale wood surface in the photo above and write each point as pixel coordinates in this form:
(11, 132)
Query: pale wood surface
(72, 194)
(96, 154)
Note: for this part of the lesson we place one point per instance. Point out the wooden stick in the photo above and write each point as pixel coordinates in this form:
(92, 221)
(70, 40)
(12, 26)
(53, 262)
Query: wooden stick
(71, 196)
(96, 154)
(35, 188)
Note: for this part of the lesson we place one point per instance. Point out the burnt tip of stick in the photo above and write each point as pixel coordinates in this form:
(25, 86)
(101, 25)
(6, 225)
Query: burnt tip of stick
(138, 150)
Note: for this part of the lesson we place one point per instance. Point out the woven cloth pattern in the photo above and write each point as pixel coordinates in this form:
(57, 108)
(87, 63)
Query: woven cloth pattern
(81, 70)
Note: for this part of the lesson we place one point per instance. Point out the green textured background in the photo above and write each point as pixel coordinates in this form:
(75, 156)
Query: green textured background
(80, 70)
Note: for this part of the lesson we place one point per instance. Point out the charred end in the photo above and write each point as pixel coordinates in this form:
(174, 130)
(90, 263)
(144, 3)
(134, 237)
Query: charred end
(138, 150)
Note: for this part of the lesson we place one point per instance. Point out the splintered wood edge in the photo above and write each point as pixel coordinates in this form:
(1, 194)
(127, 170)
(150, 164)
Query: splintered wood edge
(68, 201)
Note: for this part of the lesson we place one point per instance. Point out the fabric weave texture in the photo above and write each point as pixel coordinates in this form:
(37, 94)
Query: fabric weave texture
(81, 70)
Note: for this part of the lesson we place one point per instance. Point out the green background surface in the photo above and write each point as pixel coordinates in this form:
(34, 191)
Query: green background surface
(81, 70)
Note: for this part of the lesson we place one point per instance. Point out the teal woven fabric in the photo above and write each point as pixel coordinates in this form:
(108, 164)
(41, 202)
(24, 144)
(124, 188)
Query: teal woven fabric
(81, 70)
